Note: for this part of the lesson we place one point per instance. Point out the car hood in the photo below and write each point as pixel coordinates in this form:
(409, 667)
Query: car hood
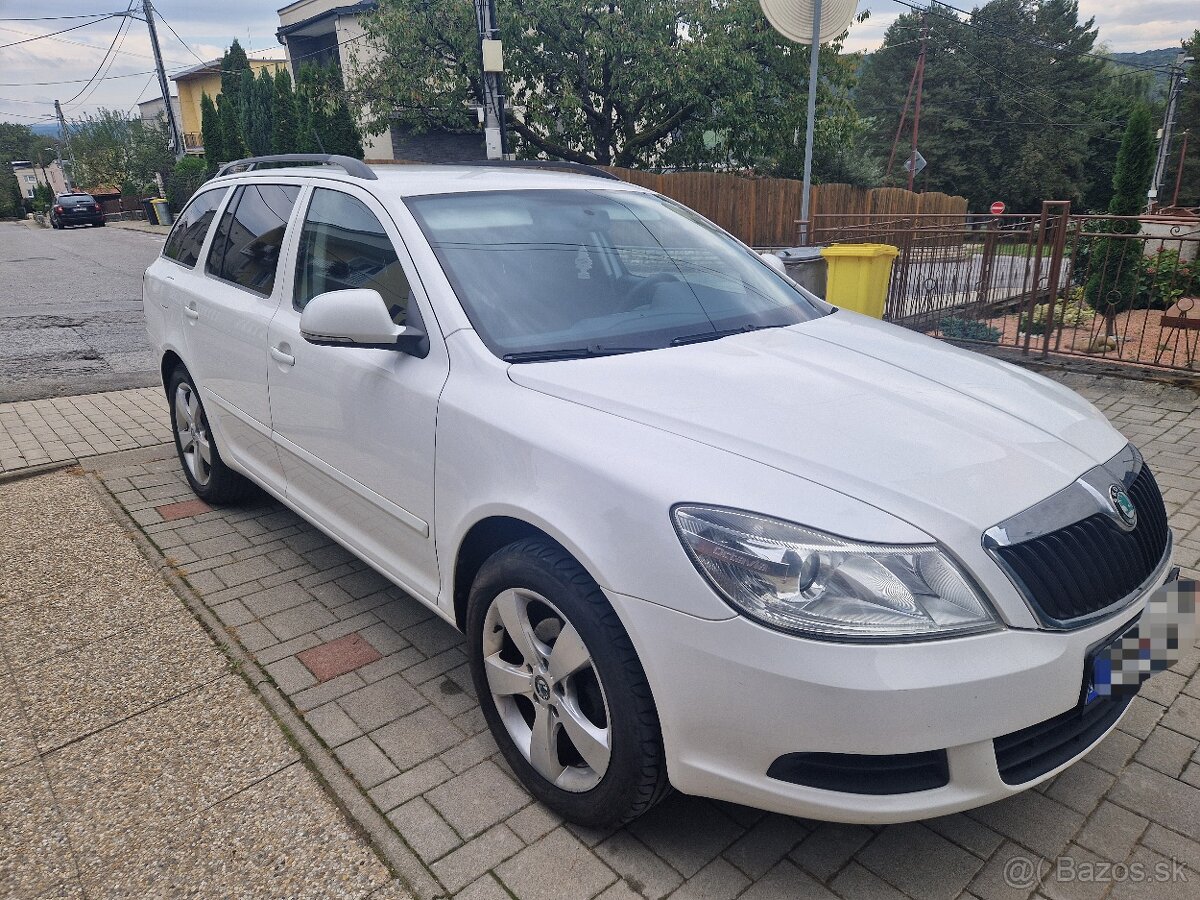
(914, 426)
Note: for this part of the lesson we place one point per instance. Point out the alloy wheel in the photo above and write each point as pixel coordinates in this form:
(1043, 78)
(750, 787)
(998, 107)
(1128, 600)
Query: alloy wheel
(191, 430)
(547, 690)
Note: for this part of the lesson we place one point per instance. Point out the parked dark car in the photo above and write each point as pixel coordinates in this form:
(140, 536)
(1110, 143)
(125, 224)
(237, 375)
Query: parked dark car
(76, 209)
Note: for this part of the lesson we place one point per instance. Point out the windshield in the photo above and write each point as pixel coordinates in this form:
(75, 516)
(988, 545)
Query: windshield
(76, 200)
(557, 273)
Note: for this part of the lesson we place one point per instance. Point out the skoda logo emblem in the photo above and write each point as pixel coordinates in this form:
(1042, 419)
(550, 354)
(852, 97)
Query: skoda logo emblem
(542, 688)
(1123, 505)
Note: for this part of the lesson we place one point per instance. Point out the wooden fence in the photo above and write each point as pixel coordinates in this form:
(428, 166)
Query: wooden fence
(765, 212)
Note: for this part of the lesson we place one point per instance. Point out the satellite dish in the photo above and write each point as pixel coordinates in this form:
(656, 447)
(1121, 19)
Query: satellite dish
(794, 18)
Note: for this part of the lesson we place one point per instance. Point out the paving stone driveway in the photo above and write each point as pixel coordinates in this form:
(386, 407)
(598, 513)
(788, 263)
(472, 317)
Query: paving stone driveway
(392, 698)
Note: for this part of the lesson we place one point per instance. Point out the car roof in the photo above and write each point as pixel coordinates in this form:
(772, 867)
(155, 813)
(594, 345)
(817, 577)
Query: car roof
(410, 180)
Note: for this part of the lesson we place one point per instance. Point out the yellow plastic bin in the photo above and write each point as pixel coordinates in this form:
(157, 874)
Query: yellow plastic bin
(162, 212)
(859, 275)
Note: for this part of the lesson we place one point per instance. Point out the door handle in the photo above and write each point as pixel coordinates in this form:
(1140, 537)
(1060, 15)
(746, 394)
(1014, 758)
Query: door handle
(191, 312)
(283, 358)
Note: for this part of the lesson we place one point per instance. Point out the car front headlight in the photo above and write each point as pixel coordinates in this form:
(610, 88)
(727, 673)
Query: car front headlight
(808, 582)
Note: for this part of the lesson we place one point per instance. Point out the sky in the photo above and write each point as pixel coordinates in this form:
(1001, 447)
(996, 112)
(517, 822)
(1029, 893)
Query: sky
(207, 27)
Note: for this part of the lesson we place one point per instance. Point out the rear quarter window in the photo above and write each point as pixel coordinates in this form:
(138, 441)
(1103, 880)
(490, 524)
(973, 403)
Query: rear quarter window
(187, 237)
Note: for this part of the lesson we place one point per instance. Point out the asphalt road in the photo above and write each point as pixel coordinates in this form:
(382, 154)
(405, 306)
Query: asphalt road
(71, 311)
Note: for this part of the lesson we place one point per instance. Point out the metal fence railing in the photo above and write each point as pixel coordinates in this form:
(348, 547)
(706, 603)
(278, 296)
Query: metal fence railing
(1112, 288)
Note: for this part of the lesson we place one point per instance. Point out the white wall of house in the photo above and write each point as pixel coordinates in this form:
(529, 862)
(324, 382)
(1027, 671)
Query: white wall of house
(352, 51)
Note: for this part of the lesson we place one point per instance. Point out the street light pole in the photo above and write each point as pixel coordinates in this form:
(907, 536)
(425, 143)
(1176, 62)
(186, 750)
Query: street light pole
(814, 63)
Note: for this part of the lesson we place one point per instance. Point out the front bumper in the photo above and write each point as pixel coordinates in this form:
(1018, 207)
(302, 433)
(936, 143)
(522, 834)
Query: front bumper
(733, 697)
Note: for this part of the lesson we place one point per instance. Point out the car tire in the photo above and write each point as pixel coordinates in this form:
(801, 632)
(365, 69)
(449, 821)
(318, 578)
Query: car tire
(210, 479)
(594, 693)
(99, 224)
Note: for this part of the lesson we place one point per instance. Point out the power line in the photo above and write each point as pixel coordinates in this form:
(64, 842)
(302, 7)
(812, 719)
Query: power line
(62, 40)
(51, 34)
(186, 45)
(71, 80)
(142, 92)
(54, 18)
(111, 59)
(107, 54)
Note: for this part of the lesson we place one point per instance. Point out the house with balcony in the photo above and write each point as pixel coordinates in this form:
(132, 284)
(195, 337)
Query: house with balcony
(205, 78)
(330, 32)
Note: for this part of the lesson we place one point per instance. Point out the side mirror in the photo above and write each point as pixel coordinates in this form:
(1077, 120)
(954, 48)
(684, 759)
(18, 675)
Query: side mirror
(774, 262)
(358, 318)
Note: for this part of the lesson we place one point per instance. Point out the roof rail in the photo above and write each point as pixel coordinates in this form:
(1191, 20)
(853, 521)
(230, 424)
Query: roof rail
(551, 164)
(351, 166)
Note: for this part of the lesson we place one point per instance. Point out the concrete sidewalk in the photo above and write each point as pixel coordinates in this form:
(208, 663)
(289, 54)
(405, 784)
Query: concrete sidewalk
(62, 429)
(134, 762)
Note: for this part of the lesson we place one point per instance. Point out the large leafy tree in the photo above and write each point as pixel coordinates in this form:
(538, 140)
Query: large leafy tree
(1009, 107)
(695, 83)
(110, 148)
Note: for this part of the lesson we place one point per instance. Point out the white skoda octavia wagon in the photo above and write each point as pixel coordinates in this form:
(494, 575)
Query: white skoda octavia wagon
(699, 527)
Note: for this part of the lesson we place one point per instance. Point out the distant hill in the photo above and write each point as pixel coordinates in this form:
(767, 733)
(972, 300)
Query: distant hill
(48, 129)
(1162, 58)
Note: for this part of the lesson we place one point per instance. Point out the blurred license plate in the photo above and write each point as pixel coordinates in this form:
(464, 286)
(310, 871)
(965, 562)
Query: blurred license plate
(1153, 642)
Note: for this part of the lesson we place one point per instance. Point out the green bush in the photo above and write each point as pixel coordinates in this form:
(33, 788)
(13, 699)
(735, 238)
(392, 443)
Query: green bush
(190, 172)
(1069, 313)
(968, 330)
(1163, 278)
(43, 198)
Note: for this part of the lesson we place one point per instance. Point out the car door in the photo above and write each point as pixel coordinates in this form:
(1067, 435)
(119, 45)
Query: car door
(227, 310)
(354, 425)
(168, 276)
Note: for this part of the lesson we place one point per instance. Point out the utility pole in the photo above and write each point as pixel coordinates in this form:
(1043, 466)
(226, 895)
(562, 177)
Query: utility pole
(1164, 142)
(492, 52)
(64, 135)
(164, 86)
(1179, 171)
(912, 159)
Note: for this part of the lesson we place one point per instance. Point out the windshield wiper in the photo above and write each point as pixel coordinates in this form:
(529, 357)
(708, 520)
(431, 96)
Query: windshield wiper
(568, 353)
(702, 336)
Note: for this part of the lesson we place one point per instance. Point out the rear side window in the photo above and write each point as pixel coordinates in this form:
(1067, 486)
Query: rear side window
(245, 248)
(343, 246)
(187, 237)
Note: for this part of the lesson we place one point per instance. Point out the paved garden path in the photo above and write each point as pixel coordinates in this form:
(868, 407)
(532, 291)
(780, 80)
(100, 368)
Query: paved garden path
(382, 686)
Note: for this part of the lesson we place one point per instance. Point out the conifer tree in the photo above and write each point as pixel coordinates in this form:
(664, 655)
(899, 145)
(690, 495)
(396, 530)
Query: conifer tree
(283, 114)
(211, 134)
